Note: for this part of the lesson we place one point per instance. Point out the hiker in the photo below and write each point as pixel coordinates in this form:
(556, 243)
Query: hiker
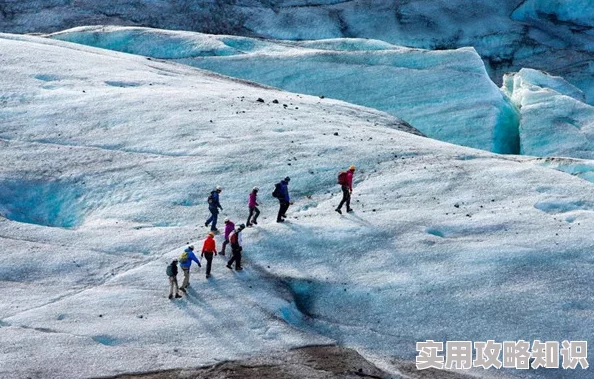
(345, 179)
(172, 275)
(229, 227)
(253, 206)
(236, 248)
(213, 206)
(281, 192)
(209, 249)
(185, 261)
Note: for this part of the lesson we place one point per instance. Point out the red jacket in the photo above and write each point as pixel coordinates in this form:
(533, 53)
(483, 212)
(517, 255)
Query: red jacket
(209, 245)
(350, 179)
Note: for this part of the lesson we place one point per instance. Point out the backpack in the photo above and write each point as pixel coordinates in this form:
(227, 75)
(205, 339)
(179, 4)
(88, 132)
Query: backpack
(233, 239)
(277, 192)
(183, 258)
(342, 178)
(209, 199)
(169, 270)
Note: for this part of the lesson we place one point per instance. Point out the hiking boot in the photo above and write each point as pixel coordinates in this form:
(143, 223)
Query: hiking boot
(238, 268)
(206, 224)
(183, 290)
(207, 276)
(178, 296)
(229, 267)
(170, 297)
(280, 220)
(255, 222)
(338, 210)
(248, 225)
(221, 253)
(350, 210)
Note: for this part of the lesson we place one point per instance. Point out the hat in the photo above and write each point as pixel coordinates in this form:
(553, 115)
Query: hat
(256, 189)
(352, 168)
(218, 188)
(191, 247)
(242, 226)
(174, 261)
(211, 234)
(226, 220)
(287, 179)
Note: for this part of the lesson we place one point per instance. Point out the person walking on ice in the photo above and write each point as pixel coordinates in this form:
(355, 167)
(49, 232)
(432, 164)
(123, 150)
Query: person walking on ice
(172, 275)
(213, 206)
(209, 249)
(185, 261)
(253, 207)
(236, 248)
(229, 227)
(281, 192)
(345, 179)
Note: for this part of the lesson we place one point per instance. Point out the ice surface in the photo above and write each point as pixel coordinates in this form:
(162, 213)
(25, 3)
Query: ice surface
(551, 35)
(446, 242)
(554, 119)
(447, 95)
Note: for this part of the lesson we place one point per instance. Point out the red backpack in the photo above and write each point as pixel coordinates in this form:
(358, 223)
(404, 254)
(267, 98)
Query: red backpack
(342, 178)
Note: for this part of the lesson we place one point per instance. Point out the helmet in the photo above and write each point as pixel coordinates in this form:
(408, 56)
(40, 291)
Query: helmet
(242, 226)
(191, 247)
(218, 188)
(226, 220)
(211, 234)
(256, 189)
(352, 168)
(287, 179)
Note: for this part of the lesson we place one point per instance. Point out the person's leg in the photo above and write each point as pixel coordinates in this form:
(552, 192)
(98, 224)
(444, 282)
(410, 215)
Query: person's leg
(348, 200)
(232, 258)
(255, 221)
(238, 261)
(186, 281)
(208, 257)
(209, 220)
(345, 192)
(286, 208)
(225, 243)
(248, 223)
(171, 280)
(280, 211)
(215, 216)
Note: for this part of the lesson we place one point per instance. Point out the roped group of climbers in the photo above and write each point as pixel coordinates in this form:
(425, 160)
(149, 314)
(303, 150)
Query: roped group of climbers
(233, 235)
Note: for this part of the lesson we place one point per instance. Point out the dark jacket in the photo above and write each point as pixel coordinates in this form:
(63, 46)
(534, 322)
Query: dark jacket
(284, 191)
(214, 203)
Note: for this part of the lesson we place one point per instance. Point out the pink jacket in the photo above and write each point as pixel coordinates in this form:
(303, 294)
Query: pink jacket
(350, 179)
(252, 201)
(229, 227)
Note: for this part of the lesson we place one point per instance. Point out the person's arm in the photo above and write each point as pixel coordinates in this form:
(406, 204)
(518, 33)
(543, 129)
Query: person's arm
(195, 259)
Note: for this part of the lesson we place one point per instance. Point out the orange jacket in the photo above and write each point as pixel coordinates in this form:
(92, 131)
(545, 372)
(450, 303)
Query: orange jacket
(209, 245)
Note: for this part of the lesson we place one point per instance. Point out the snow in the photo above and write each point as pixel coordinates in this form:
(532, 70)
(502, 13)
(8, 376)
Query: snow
(554, 119)
(446, 242)
(446, 95)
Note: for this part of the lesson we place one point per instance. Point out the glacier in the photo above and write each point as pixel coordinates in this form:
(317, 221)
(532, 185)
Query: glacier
(447, 95)
(555, 121)
(116, 153)
(554, 36)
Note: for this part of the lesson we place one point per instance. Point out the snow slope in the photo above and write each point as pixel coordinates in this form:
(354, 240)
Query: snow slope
(108, 159)
(555, 36)
(554, 119)
(447, 95)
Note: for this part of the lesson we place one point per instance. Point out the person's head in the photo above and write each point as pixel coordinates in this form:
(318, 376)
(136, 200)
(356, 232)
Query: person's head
(287, 179)
(211, 234)
(242, 226)
(174, 262)
(191, 247)
(219, 189)
(227, 220)
(255, 189)
(352, 168)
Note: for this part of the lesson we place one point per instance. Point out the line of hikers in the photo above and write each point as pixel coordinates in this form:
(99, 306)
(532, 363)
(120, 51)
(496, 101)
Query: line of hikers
(233, 236)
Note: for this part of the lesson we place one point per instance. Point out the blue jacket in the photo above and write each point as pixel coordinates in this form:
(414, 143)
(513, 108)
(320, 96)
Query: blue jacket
(191, 257)
(215, 201)
(284, 190)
